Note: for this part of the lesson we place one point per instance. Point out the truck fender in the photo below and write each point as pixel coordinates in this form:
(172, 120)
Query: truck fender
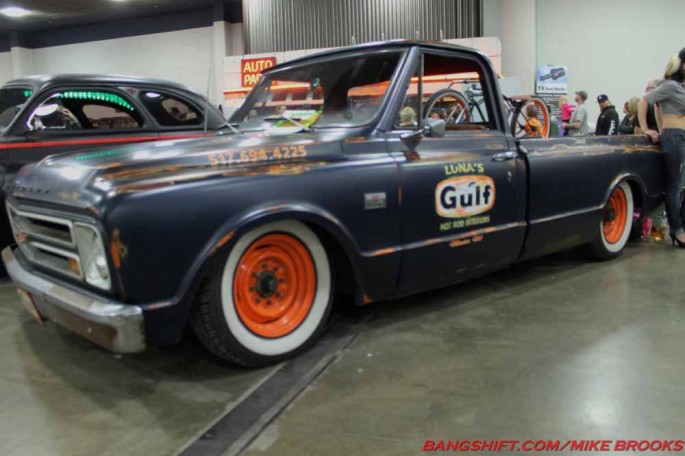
(225, 237)
(636, 183)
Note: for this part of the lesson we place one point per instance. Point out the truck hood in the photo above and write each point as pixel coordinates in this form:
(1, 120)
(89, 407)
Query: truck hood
(85, 178)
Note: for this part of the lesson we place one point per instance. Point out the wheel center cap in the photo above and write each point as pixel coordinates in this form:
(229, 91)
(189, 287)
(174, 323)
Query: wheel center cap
(267, 284)
(610, 215)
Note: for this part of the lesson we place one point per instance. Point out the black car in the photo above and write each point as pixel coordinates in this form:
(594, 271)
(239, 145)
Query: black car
(46, 115)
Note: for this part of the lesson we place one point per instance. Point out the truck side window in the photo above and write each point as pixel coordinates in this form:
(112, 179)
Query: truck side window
(452, 91)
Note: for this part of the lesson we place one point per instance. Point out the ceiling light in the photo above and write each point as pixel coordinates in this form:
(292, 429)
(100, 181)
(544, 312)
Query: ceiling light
(14, 11)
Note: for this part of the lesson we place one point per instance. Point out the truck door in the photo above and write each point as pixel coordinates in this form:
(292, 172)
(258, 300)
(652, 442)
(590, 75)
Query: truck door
(463, 194)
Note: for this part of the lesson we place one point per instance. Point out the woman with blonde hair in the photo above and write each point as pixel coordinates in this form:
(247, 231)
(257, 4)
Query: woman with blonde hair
(629, 124)
(670, 114)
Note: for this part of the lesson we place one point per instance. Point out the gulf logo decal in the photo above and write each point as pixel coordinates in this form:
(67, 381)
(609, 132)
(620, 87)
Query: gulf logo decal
(464, 196)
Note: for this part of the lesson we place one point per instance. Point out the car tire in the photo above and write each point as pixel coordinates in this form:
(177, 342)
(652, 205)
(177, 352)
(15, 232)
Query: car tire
(615, 227)
(271, 298)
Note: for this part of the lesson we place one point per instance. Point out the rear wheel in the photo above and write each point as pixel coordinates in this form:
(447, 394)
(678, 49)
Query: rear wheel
(614, 230)
(270, 300)
(518, 120)
(450, 105)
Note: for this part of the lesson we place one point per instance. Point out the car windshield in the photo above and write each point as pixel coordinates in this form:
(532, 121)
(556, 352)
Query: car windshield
(11, 101)
(345, 92)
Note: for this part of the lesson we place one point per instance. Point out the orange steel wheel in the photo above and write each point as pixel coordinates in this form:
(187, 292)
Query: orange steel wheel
(274, 285)
(615, 216)
(543, 116)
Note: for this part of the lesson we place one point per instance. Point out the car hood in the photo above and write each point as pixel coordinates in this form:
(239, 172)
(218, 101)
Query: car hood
(86, 178)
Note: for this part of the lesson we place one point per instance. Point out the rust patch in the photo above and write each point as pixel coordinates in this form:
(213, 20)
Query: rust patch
(222, 242)
(356, 139)
(382, 252)
(117, 249)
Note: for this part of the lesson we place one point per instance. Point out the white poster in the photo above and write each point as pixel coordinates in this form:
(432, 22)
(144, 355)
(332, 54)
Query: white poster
(552, 79)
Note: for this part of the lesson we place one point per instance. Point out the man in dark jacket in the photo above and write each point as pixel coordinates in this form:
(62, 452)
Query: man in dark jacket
(607, 123)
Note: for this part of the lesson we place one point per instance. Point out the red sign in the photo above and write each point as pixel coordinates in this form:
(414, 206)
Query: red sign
(251, 69)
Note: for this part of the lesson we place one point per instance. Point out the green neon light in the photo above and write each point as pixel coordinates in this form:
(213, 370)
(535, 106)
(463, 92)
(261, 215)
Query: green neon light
(28, 93)
(97, 155)
(97, 96)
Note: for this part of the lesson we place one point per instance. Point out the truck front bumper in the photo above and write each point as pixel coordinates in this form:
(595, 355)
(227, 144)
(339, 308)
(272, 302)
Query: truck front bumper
(115, 326)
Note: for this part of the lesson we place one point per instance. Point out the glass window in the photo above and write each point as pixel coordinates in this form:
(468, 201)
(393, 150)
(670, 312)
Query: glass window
(85, 110)
(452, 91)
(102, 117)
(345, 92)
(11, 102)
(170, 111)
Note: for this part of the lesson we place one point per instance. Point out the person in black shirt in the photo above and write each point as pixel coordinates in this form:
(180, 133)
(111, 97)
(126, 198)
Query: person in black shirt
(607, 123)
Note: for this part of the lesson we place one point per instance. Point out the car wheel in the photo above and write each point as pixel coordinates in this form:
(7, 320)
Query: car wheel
(270, 300)
(615, 227)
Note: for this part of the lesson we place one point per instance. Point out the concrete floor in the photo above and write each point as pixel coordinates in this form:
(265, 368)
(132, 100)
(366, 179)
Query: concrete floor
(556, 348)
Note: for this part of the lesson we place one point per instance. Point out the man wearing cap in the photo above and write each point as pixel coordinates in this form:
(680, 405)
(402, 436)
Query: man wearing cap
(578, 125)
(607, 122)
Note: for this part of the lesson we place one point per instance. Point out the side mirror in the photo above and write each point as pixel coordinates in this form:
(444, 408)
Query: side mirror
(434, 128)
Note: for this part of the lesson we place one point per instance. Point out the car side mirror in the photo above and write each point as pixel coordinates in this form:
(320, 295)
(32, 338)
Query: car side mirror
(434, 128)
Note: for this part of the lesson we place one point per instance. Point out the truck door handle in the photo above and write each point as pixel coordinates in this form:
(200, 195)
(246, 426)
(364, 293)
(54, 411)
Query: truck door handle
(504, 156)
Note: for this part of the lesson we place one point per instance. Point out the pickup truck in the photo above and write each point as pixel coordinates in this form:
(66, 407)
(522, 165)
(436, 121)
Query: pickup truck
(336, 177)
(45, 115)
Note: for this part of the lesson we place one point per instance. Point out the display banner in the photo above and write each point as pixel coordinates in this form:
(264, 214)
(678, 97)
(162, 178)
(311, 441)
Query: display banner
(251, 69)
(552, 79)
(551, 82)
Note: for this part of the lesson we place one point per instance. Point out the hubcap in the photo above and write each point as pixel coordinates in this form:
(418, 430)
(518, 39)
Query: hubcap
(609, 215)
(267, 284)
(274, 285)
(615, 216)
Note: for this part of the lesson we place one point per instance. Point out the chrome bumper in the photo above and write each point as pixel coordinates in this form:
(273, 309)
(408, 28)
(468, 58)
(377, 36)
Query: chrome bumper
(112, 325)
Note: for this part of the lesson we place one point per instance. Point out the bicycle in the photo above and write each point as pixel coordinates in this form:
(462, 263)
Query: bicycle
(457, 108)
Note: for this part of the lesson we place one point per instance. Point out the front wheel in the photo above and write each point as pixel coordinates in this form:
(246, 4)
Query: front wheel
(615, 227)
(270, 300)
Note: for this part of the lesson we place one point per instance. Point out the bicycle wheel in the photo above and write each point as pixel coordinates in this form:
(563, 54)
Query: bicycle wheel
(518, 121)
(451, 105)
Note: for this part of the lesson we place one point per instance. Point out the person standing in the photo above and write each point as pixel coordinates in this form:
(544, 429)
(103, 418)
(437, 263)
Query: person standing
(626, 126)
(630, 125)
(578, 125)
(670, 113)
(566, 111)
(651, 116)
(607, 122)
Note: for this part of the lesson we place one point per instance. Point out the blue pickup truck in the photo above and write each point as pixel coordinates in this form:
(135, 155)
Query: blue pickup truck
(342, 174)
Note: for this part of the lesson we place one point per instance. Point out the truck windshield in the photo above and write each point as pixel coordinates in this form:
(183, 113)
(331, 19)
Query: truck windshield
(11, 101)
(345, 92)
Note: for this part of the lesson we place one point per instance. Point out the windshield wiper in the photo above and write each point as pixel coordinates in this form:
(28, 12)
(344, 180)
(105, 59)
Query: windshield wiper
(234, 127)
(292, 121)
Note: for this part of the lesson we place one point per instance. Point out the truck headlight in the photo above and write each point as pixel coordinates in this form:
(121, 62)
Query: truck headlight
(93, 256)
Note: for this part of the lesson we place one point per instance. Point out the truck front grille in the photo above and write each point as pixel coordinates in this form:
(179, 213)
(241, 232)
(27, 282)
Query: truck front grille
(46, 241)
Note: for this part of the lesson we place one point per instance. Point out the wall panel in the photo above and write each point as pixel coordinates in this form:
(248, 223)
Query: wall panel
(284, 25)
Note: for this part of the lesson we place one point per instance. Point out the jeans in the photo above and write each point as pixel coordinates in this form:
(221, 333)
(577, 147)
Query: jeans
(673, 148)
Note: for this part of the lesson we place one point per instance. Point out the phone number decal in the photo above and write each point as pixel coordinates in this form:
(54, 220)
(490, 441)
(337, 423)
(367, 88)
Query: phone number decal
(257, 155)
